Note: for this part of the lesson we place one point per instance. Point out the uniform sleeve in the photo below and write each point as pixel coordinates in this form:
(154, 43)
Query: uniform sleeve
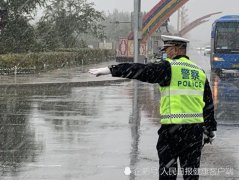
(208, 110)
(151, 73)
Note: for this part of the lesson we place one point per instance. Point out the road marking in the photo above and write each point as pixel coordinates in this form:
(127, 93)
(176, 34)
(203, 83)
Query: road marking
(45, 165)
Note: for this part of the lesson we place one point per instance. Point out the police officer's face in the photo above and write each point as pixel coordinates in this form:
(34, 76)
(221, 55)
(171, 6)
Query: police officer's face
(171, 52)
(174, 51)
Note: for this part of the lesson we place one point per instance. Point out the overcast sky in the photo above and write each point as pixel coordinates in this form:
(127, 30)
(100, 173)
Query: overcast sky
(196, 9)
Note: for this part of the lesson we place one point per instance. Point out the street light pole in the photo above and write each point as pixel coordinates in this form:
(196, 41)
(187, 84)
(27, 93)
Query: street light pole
(137, 10)
(135, 120)
(136, 27)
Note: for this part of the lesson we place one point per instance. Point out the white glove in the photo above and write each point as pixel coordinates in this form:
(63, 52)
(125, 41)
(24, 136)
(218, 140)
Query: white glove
(100, 71)
(210, 136)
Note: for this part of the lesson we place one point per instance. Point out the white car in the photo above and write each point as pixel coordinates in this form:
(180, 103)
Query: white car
(207, 50)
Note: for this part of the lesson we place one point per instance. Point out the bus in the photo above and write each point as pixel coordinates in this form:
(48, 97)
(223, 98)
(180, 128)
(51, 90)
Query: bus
(225, 44)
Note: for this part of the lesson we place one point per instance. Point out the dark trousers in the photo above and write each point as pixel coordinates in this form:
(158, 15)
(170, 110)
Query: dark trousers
(183, 142)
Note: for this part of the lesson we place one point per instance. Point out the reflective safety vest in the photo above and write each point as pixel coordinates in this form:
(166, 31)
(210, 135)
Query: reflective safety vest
(182, 101)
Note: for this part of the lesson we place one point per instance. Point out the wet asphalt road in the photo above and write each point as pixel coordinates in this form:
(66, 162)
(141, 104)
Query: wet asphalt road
(88, 132)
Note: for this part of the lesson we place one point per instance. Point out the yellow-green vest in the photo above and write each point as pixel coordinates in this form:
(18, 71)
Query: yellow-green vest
(182, 101)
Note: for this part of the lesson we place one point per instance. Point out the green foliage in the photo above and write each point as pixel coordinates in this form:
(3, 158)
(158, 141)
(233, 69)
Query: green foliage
(18, 36)
(54, 60)
(66, 20)
(61, 26)
(20, 7)
(47, 38)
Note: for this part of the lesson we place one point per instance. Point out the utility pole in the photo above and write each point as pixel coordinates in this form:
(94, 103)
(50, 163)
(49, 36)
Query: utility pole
(136, 28)
(136, 25)
(136, 118)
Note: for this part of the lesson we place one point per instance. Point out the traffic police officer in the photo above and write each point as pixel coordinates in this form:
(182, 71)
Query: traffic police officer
(186, 106)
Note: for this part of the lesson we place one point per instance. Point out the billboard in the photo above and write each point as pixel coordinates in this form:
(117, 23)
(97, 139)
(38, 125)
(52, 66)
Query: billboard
(122, 50)
(142, 49)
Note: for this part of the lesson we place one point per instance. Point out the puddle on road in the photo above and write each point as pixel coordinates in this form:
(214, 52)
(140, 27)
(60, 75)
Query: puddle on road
(88, 132)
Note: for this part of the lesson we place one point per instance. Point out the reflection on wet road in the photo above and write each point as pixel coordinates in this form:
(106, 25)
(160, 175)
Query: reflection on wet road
(79, 133)
(224, 154)
(89, 133)
(226, 95)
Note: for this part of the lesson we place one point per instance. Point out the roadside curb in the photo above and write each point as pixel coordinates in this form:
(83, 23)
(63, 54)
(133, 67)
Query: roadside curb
(56, 86)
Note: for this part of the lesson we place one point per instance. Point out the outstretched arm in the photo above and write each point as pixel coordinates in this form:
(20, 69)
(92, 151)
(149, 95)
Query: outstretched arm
(152, 73)
(100, 71)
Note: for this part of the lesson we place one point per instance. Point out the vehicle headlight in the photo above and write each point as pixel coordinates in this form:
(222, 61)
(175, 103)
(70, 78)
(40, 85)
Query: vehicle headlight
(215, 58)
